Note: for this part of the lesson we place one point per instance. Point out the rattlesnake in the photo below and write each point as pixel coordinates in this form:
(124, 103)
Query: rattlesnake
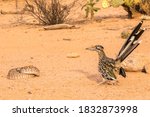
(23, 72)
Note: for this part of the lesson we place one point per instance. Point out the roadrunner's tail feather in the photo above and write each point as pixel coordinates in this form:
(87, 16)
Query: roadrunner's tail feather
(130, 47)
(136, 29)
(133, 46)
(131, 43)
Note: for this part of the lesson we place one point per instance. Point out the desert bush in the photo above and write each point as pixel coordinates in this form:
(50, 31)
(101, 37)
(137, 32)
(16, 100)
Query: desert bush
(49, 13)
(141, 6)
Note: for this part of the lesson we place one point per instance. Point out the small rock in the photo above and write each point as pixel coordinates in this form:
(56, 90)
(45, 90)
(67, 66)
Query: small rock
(29, 92)
(73, 55)
(147, 68)
(34, 20)
(145, 17)
(125, 34)
(135, 63)
(111, 28)
(66, 39)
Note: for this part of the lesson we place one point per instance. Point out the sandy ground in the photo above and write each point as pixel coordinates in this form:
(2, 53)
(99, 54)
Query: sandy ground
(62, 77)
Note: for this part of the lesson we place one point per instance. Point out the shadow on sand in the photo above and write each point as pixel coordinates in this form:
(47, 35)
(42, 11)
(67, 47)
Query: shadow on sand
(92, 77)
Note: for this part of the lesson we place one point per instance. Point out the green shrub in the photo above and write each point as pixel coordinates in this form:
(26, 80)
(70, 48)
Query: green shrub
(90, 8)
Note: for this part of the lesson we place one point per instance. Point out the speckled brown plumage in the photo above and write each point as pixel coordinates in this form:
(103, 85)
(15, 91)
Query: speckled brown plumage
(107, 65)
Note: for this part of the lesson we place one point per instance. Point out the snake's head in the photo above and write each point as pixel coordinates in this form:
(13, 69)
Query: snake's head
(96, 48)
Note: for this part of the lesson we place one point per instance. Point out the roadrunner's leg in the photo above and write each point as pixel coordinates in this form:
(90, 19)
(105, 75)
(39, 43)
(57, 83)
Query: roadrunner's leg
(102, 82)
(109, 82)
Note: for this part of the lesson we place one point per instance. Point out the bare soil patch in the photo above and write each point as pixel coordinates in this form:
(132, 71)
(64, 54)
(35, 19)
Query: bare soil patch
(63, 77)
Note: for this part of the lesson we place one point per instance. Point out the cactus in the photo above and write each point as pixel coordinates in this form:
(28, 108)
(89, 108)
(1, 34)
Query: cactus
(90, 8)
(113, 3)
(141, 6)
(116, 3)
(105, 3)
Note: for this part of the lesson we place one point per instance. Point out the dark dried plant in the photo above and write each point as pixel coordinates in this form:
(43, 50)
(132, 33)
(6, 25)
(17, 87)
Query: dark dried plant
(49, 13)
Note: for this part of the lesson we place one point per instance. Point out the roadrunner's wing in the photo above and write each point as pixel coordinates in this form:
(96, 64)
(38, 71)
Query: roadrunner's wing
(107, 72)
(131, 43)
(107, 69)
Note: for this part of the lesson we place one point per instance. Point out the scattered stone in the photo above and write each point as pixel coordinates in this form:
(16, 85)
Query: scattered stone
(29, 92)
(135, 63)
(11, 12)
(145, 17)
(31, 58)
(125, 34)
(66, 39)
(73, 55)
(111, 28)
(147, 68)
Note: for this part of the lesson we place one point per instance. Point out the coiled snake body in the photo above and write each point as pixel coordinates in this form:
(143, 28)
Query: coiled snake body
(23, 72)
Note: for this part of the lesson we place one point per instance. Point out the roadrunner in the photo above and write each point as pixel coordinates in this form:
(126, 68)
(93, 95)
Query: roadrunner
(107, 66)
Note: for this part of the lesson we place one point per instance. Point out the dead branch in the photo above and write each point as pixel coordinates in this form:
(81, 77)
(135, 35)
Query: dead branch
(49, 13)
(60, 26)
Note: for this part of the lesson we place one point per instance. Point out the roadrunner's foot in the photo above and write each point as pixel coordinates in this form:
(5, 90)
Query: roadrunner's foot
(109, 82)
(113, 82)
(102, 82)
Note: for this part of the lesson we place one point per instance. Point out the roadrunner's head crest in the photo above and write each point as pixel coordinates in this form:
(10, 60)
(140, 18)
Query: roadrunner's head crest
(97, 48)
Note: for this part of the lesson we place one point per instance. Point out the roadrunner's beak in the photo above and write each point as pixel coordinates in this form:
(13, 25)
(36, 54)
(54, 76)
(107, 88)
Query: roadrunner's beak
(92, 48)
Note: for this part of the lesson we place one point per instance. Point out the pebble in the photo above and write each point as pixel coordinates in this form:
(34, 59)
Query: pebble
(135, 63)
(73, 55)
(147, 68)
(125, 34)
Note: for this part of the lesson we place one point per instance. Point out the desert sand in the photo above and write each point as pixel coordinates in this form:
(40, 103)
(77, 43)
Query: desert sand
(24, 43)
